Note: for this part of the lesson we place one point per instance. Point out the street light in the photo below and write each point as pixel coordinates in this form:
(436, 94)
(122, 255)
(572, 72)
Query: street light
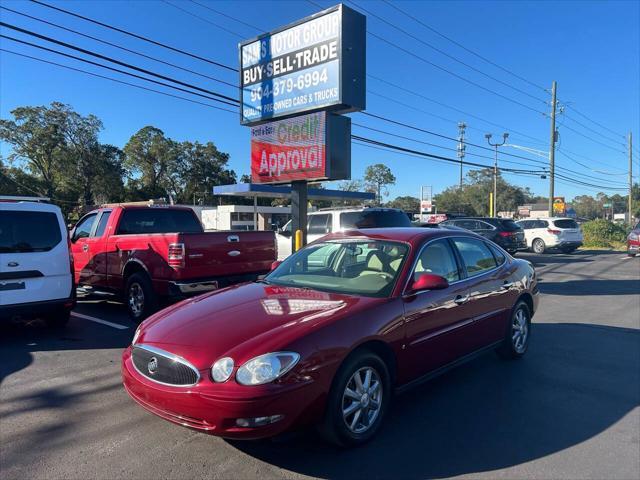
(495, 170)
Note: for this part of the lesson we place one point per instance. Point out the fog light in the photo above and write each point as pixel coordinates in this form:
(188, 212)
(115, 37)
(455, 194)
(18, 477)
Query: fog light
(257, 421)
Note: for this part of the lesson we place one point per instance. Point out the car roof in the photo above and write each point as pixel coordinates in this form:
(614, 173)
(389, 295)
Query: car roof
(29, 207)
(412, 235)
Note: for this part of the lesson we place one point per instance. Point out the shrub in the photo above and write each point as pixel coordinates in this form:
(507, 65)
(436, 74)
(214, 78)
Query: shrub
(602, 233)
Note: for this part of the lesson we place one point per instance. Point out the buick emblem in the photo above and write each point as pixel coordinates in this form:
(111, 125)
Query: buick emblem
(152, 366)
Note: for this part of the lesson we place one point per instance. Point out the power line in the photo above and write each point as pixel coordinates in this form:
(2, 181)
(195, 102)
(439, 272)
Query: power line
(118, 81)
(124, 72)
(442, 52)
(591, 139)
(490, 62)
(120, 47)
(592, 130)
(437, 102)
(208, 7)
(118, 62)
(204, 19)
(593, 121)
(135, 35)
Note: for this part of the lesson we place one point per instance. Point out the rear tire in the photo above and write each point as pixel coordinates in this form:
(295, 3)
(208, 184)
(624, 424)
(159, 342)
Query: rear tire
(538, 246)
(59, 319)
(516, 340)
(356, 407)
(139, 297)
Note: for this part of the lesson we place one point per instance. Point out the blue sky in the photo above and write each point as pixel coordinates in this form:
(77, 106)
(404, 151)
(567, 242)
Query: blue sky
(592, 49)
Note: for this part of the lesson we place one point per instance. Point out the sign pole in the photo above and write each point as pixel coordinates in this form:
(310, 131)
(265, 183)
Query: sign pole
(299, 204)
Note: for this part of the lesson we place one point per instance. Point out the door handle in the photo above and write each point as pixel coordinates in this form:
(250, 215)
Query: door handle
(460, 299)
(85, 248)
(507, 285)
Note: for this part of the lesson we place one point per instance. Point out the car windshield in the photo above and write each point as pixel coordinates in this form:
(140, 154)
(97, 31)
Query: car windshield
(355, 267)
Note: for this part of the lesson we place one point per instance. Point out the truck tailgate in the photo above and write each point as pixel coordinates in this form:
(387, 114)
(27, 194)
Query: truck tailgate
(226, 253)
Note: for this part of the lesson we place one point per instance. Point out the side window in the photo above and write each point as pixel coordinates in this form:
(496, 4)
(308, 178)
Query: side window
(542, 224)
(484, 226)
(468, 224)
(83, 229)
(525, 224)
(102, 224)
(438, 258)
(476, 255)
(319, 224)
(500, 258)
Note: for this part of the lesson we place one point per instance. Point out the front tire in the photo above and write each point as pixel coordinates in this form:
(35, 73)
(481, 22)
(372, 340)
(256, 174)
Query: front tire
(139, 297)
(516, 340)
(538, 246)
(358, 401)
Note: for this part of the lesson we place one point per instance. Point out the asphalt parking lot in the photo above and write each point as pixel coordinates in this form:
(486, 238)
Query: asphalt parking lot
(569, 409)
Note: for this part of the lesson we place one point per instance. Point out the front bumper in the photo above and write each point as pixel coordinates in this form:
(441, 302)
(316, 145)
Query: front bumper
(213, 408)
(633, 246)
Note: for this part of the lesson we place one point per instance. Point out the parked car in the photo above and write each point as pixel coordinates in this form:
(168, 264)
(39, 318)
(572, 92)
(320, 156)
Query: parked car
(559, 233)
(328, 344)
(151, 253)
(502, 231)
(326, 221)
(36, 268)
(633, 241)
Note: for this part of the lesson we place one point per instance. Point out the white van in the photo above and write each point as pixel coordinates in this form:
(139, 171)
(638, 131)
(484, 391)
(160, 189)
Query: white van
(330, 220)
(36, 269)
(550, 233)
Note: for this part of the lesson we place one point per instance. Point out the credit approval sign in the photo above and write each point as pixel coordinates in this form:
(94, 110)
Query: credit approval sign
(316, 63)
(312, 147)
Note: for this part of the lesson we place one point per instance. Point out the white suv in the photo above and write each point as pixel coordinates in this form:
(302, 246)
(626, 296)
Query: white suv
(323, 222)
(36, 270)
(551, 233)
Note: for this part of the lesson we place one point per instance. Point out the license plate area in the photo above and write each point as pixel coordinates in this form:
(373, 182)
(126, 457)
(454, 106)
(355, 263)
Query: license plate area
(5, 286)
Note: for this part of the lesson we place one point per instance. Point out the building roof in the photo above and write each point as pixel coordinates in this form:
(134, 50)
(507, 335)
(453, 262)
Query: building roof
(284, 191)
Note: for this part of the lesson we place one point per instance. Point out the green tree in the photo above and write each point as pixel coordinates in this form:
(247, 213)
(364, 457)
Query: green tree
(473, 197)
(376, 178)
(200, 168)
(406, 203)
(151, 162)
(37, 138)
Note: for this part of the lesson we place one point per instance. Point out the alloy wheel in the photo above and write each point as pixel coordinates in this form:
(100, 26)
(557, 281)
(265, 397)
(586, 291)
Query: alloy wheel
(136, 299)
(520, 331)
(362, 400)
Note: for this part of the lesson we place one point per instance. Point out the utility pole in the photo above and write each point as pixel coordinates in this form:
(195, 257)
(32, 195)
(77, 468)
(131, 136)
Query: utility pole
(494, 212)
(461, 146)
(552, 149)
(629, 218)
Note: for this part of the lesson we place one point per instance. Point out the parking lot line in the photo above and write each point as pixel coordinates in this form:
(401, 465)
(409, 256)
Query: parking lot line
(99, 320)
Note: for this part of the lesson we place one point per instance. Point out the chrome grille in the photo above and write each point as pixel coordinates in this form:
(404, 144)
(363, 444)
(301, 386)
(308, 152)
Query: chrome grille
(163, 367)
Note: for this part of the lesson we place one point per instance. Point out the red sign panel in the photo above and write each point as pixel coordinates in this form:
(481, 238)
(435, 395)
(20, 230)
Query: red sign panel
(289, 150)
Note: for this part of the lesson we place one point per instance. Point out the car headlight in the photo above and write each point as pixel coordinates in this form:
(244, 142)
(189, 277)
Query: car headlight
(266, 368)
(222, 369)
(136, 335)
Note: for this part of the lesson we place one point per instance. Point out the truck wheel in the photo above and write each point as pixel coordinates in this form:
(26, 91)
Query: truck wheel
(139, 297)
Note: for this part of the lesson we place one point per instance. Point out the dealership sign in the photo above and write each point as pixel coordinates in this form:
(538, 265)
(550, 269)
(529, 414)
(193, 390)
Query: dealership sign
(317, 63)
(315, 146)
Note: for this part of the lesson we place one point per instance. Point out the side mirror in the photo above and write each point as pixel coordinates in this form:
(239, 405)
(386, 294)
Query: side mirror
(285, 233)
(429, 281)
(275, 265)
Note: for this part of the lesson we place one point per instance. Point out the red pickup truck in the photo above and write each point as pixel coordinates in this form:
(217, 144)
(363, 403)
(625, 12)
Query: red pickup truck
(150, 253)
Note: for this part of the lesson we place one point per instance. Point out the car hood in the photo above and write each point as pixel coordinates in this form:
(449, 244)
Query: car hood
(244, 321)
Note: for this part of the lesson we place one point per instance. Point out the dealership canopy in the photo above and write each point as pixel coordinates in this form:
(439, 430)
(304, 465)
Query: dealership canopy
(270, 191)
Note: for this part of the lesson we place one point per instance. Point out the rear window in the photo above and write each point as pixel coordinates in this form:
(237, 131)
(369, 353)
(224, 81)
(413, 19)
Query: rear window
(509, 225)
(156, 220)
(565, 223)
(22, 232)
(374, 219)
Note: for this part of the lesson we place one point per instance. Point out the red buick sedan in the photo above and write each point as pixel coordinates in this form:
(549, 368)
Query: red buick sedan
(331, 333)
